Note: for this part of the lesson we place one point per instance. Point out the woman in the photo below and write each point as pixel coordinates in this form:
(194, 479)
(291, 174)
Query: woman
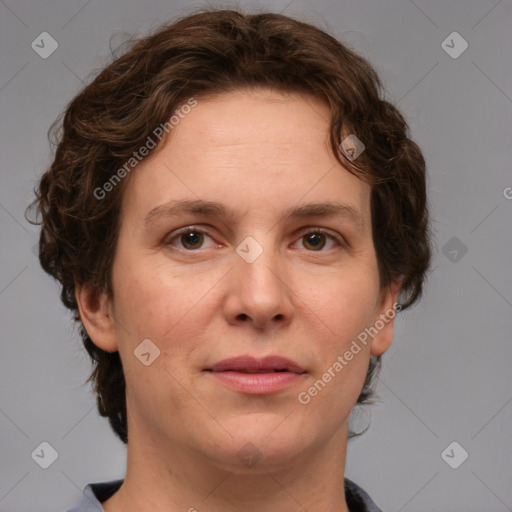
(235, 215)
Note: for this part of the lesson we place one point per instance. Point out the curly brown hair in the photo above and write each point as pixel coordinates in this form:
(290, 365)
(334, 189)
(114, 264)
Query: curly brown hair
(214, 52)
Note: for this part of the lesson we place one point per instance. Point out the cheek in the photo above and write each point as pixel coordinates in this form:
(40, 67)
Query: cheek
(140, 304)
(341, 358)
(152, 302)
(346, 306)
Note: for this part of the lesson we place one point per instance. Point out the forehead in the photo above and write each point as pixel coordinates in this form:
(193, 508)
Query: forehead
(272, 121)
(251, 150)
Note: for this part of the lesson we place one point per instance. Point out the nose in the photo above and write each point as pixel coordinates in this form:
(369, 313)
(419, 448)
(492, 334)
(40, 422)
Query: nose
(258, 294)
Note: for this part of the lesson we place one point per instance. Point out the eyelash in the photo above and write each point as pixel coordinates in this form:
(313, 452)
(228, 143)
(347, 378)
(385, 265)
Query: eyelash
(194, 229)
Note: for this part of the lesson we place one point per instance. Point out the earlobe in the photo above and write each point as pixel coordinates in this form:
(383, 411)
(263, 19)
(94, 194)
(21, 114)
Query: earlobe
(385, 319)
(96, 314)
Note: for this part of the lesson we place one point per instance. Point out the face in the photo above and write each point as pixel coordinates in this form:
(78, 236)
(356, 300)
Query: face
(245, 256)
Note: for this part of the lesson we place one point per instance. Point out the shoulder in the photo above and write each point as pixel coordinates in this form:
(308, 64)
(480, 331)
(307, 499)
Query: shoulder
(94, 494)
(358, 500)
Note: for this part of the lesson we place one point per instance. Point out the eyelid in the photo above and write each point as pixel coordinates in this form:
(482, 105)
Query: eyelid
(302, 232)
(180, 231)
(313, 229)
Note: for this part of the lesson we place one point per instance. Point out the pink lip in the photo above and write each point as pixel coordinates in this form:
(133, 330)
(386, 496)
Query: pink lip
(257, 376)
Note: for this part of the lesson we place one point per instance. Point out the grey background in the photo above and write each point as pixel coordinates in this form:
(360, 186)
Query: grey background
(447, 376)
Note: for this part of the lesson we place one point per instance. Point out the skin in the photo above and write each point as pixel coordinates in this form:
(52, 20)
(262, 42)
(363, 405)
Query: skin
(259, 152)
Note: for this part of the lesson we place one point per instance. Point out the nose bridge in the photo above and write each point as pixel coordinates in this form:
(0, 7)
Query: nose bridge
(259, 264)
(259, 281)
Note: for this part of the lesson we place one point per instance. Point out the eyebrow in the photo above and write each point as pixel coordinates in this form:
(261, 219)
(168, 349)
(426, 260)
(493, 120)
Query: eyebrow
(215, 209)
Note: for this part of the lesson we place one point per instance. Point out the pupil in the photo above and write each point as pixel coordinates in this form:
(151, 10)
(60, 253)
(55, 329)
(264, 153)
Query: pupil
(191, 238)
(315, 240)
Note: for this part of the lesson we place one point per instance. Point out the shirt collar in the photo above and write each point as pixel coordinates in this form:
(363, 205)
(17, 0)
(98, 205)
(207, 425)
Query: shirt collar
(357, 498)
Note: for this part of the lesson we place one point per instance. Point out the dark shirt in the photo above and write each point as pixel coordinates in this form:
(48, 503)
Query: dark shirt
(357, 499)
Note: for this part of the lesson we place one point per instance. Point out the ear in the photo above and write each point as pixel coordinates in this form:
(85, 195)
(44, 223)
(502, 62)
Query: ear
(384, 321)
(97, 317)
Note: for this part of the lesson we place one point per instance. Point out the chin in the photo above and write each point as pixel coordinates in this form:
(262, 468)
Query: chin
(257, 446)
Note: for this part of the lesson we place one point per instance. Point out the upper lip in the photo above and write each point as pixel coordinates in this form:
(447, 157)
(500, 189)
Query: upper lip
(249, 364)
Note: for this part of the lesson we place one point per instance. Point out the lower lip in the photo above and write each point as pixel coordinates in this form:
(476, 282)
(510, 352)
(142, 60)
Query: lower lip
(258, 383)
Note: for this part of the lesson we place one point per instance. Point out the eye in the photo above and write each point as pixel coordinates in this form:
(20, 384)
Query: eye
(317, 239)
(190, 238)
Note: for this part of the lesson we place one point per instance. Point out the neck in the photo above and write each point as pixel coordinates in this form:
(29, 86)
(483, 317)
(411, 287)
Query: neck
(165, 477)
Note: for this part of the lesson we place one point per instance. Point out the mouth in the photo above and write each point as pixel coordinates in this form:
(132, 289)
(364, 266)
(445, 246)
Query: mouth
(249, 364)
(250, 375)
